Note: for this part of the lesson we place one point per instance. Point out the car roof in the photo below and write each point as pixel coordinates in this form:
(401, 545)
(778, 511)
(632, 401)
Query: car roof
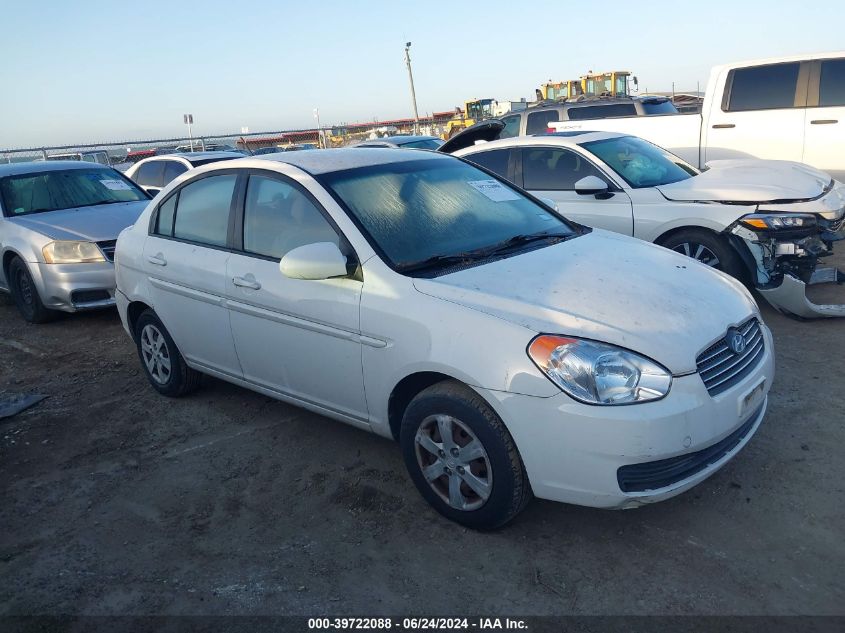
(562, 139)
(324, 161)
(191, 156)
(14, 169)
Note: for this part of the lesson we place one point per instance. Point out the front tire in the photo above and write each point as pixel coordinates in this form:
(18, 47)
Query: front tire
(160, 358)
(708, 248)
(462, 458)
(26, 295)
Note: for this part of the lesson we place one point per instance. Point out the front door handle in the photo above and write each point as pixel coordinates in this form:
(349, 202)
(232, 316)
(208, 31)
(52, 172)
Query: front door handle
(157, 259)
(246, 282)
(823, 121)
(723, 126)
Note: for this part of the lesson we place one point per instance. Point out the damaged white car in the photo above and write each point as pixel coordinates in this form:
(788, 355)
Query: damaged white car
(768, 223)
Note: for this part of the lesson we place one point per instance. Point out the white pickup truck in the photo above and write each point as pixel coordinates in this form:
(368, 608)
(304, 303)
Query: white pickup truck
(786, 108)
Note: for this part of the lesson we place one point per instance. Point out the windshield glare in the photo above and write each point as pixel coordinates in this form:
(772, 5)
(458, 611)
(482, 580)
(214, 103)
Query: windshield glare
(65, 189)
(639, 162)
(415, 210)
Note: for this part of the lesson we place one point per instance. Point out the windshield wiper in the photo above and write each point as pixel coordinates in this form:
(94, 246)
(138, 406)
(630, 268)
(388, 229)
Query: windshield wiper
(482, 253)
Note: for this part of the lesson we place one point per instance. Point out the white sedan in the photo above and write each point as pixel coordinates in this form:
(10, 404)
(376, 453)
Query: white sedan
(413, 295)
(764, 222)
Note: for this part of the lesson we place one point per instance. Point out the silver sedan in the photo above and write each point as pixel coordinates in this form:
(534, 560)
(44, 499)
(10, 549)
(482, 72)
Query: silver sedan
(59, 224)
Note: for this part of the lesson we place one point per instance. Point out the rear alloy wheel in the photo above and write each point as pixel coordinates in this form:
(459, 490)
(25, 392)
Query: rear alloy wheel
(708, 248)
(462, 458)
(26, 295)
(160, 359)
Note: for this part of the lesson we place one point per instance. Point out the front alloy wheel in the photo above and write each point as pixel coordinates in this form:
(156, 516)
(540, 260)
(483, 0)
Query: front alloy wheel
(698, 252)
(454, 462)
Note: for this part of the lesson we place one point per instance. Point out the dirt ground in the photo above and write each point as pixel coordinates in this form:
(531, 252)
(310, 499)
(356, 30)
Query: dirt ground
(116, 500)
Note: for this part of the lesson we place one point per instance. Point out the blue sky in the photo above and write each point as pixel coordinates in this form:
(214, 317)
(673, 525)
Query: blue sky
(96, 71)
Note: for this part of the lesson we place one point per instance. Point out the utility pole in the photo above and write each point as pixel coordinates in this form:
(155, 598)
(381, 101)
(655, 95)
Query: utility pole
(413, 92)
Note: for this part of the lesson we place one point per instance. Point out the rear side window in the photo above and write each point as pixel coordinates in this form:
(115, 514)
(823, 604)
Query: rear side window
(545, 169)
(166, 213)
(511, 128)
(538, 122)
(150, 174)
(202, 212)
(601, 111)
(832, 83)
(763, 87)
(658, 106)
(172, 169)
(495, 160)
(278, 217)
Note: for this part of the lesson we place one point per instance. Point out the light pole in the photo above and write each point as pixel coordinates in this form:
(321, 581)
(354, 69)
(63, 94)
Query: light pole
(189, 121)
(319, 129)
(413, 92)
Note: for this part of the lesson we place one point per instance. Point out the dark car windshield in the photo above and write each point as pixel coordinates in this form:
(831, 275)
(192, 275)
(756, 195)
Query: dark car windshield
(658, 106)
(425, 143)
(640, 163)
(206, 161)
(413, 211)
(52, 190)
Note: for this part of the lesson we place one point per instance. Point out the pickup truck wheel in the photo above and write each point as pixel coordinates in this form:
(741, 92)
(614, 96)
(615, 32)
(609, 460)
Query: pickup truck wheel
(462, 458)
(707, 248)
(26, 295)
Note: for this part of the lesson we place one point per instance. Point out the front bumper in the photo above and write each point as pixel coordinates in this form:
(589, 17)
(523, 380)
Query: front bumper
(791, 296)
(573, 452)
(75, 287)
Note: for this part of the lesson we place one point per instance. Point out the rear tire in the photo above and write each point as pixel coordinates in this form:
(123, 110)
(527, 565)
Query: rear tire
(462, 458)
(26, 296)
(161, 360)
(708, 248)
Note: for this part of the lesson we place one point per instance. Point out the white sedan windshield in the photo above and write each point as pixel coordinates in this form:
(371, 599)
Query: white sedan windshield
(640, 163)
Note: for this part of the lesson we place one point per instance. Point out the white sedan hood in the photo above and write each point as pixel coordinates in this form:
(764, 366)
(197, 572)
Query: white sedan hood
(750, 181)
(607, 287)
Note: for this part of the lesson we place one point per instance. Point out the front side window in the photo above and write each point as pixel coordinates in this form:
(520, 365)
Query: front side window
(763, 87)
(832, 83)
(538, 122)
(202, 212)
(546, 169)
(65, 189)
(416, 210)
(278, 217)
(172, 170)
(495, 160)
(511, 128)
(640, 163)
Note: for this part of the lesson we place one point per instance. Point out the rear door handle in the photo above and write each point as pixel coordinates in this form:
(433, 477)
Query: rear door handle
(157, 259)
(723, 126)
(823, 121)
(244, 282)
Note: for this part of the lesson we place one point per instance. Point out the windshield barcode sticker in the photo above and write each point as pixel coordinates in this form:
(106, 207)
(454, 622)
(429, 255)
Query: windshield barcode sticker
(494, 190)
(116, 185)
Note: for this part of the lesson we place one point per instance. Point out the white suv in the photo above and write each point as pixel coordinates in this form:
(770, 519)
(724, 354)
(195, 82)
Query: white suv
(414, 295)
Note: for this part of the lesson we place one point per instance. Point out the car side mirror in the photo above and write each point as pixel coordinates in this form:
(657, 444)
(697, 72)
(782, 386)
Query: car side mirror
(321, 260)
(591, 185)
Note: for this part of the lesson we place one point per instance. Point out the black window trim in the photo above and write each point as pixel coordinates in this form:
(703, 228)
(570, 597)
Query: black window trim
(799, 97)
(230, 231)
(353, 261)
(612, 184)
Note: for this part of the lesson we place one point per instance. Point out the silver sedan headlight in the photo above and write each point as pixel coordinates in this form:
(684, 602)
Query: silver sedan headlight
(68, 252)
(598, 373)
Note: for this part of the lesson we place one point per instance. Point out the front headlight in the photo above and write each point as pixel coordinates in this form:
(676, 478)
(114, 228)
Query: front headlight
(779, 221)
(67, 252)
(598, 373)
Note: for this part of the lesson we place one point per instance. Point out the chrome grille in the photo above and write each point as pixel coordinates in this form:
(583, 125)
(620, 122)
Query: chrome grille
(721, 368)
(108, 249)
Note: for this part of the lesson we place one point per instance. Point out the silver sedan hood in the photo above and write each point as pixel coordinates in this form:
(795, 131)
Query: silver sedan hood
(610, 288)
(94, 224)
(750, 181)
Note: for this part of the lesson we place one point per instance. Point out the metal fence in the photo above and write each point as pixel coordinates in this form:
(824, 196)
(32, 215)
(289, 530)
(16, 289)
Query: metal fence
(124, 153)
